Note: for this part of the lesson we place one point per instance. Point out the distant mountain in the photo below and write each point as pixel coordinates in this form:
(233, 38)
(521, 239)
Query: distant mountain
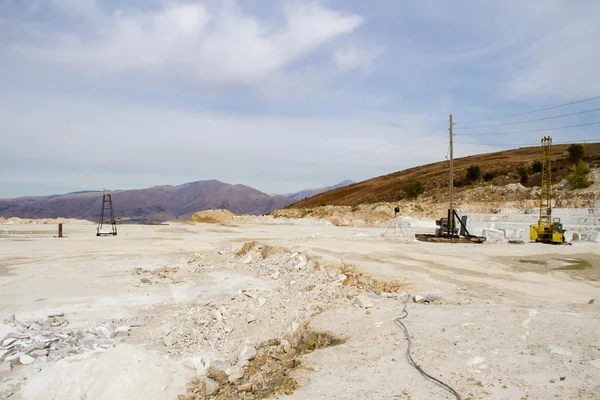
(156, 204)
(313, 192)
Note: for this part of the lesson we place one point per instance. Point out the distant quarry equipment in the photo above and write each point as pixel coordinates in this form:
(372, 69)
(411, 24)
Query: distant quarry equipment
(395, 224)
(547, 230)
(107, 226)
(448, 231)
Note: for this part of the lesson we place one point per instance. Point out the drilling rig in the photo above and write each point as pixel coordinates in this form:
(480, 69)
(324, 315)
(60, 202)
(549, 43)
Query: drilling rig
(547, 230)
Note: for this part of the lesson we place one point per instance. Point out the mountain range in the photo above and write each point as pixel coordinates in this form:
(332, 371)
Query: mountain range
(307, 193)
(153, 205)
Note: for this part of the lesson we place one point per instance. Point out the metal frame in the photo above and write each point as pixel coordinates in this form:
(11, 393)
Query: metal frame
(107, 211)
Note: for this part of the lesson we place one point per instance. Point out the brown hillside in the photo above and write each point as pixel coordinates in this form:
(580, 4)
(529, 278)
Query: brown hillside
(388, 188)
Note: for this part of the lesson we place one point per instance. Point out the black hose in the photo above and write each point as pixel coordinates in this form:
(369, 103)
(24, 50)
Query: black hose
(410, 359)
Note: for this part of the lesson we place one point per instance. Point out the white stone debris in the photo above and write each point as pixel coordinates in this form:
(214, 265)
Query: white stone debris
(247, 353)
(558, 350)
(362, 301)
(51, 340)
(417, 298)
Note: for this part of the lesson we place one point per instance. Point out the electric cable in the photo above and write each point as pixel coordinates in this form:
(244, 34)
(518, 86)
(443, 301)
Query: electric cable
(530, 112)
(527, 131)
(533, 120)
(584, 141)
(412, 362)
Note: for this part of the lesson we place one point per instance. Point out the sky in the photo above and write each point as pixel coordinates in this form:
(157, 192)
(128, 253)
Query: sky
(281, 95)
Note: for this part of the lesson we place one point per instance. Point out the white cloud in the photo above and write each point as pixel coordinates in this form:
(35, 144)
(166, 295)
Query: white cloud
(350, 58)
(564, 64)
(101, 144)
(218, 46)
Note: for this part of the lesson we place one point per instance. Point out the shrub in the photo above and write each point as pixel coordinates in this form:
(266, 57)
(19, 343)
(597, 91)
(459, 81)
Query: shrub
(575, 153)
(523, 174)
(473, 173)
(414, 189)
(488, 176)
(460, 182)
(537, 166)
(578, 179)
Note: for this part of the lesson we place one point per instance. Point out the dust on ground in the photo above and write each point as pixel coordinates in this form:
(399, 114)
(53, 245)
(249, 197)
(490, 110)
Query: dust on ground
(222, 313)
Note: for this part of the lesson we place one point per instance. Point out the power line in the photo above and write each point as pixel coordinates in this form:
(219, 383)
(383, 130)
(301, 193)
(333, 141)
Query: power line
(299, 172)
(530, 112)
(534, 120)
(586, 141)
(528, 131)
(360, 153)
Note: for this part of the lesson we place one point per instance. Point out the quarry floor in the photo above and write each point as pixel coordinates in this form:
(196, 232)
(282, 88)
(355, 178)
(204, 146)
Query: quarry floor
(514, 322)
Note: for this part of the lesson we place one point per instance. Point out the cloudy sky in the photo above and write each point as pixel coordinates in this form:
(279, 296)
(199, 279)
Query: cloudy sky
(281, 94)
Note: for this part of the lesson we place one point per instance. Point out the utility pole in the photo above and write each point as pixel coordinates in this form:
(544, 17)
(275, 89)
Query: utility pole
(451, 210)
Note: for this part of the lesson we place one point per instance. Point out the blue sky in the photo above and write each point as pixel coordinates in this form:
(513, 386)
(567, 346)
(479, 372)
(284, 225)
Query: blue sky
(278, 95)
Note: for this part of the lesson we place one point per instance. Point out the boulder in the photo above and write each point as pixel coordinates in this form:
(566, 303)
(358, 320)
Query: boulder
(417, 298)
(362, 301)
(247, 352)
(26, 360)
(219, 371)
(236, 374)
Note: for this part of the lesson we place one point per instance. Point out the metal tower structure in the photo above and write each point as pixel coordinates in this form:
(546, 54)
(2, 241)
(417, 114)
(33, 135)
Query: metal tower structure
(546, 189)
(107, 217)
(548, 229)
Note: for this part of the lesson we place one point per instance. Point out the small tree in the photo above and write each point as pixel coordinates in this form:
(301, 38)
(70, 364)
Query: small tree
(414, 189)
(536, 166)
(523, 174)
(488, 176)
(578, 179)
(473, 173)
(575, 153)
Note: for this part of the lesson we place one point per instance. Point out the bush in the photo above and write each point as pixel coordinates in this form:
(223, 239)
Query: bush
(575, 153)
(488, 176)
(473, 173)
(523, 174)
(414, 189)
(460, 182)
(578, 179)
(536, 166)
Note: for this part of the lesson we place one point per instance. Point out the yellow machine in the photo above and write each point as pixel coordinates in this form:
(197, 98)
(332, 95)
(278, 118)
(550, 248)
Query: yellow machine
(547, 230)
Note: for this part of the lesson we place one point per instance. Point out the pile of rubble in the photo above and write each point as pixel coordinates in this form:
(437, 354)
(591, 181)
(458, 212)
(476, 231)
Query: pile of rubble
(50, 340)
(286, 288)
(158, 274)
(260, 372)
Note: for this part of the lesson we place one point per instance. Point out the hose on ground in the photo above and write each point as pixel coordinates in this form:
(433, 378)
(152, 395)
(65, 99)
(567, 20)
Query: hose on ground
(412, 362)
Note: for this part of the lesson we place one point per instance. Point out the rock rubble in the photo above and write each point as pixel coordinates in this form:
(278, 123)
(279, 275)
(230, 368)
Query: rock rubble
(51, 340)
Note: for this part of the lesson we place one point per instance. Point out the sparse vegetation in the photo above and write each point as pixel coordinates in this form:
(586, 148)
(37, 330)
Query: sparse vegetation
(473, 173)
(435, 177)
(523, 174)
(536, 166)
(489, 176)
(579, 177)
(576, 152)
(413, 190)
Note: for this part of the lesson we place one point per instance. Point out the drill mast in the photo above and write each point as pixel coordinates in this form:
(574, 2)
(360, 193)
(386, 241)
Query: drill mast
(546, 189)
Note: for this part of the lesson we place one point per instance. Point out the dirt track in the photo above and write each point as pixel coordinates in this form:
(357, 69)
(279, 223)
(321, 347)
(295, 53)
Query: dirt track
(506, 309)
